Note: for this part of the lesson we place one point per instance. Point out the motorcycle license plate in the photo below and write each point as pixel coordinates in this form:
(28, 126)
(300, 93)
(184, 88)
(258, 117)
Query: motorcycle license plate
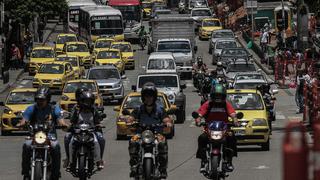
(239, 132)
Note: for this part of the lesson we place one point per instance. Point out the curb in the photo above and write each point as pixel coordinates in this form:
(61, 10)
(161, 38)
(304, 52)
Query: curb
(10, 84)
(255, 56)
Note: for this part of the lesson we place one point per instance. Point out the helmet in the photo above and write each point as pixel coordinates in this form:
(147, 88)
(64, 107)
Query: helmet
(218, 94)
(43, 93)
(78, 93)
(199, 61)
(86, 99)
(219, 64)
(149, 89)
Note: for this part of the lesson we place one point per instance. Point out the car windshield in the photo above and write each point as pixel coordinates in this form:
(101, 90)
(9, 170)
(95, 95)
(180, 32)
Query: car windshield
(159, 81)
(226, 44)
(240, 67)
(73, 86)
(103, 44)
(222, 35)
(51, 69)
(42, 53)
(122, 47)
(108, 55)
(174, 46)
(209, 23)
(203, 12)
(234, 52)
(72, 60)
(247, 85)
(64, 39)
(245, 101)
(104, 74)
(198, 4)
(146, 5)
(249, 76)
(21, 98)
(161, 64)
(77, 48)
(134, 102)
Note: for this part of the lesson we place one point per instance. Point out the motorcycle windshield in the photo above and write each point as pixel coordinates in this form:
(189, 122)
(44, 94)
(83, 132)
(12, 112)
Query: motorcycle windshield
(217, 126)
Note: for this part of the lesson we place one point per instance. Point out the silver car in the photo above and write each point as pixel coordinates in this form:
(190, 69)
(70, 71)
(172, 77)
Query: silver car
(218, 34)
(220, 45)
(109, 81)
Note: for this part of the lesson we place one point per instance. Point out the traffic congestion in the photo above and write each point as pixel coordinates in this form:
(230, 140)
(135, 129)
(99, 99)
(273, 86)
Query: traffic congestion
(144, 90)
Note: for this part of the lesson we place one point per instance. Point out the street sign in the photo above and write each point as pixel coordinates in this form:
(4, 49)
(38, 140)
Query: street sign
(250, 4)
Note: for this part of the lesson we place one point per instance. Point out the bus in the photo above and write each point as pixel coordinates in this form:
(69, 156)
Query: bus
(132, 15)
(100, 21)
(73, 13)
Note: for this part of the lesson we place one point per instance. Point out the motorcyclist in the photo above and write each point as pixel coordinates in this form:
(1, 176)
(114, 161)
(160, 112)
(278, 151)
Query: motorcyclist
(142, 36)
(85, 110)
(149, 113)
(199, 65)
(220, 70)
(214, 78)
(41, 111)
(216, 108)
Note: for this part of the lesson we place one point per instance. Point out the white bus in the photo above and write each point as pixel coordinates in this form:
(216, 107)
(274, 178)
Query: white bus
(73, 12)
(100, 21)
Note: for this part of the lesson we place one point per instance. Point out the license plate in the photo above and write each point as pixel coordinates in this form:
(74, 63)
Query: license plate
(239, 132)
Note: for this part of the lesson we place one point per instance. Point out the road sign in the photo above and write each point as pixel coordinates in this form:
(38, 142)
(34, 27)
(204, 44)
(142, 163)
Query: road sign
(250, 4)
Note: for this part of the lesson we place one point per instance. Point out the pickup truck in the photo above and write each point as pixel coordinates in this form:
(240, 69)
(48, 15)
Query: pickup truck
(169, 84)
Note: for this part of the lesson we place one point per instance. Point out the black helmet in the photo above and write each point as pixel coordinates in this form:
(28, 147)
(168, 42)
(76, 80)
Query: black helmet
(149, 89)
(86, 99)
(43, 93)
(78, 93)
(218, 94)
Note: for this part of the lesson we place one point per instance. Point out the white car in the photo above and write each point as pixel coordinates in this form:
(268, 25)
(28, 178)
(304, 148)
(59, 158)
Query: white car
(220, 45)
(161, 62)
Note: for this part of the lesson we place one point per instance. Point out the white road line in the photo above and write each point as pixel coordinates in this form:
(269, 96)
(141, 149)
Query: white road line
(20, 86)
(24, 82)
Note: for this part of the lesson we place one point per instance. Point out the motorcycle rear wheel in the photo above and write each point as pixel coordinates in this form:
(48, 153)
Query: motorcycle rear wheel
(148, 169)
(38, 171)
(214, 168)
(82, 165)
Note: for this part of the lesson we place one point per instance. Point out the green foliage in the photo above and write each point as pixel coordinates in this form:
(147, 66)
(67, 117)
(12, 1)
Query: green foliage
(24, 11)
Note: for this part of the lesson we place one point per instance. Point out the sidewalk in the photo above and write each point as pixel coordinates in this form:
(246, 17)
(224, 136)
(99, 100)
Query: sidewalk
(14, 75)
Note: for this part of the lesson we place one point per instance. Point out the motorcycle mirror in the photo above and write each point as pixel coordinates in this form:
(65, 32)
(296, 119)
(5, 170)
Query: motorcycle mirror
(125, 112)
(275, 91)
(239, 115)
(103, 115)
(195, 115)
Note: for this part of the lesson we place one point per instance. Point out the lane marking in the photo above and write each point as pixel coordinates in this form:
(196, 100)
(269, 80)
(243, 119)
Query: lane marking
(24, 82)
(261, 167)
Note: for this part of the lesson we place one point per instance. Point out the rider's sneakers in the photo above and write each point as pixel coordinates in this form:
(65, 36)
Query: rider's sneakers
(203, 167)
(100, 165)
(229, 167)
(163, 174)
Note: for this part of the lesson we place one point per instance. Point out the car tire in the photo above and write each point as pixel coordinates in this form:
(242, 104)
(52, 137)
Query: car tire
(266, 146)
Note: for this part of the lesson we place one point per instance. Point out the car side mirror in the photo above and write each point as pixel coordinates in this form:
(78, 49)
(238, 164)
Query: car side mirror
(183, 86)
(116, 108)
(236, 37)
(1, 103)
(134, 88)
(275, 91)
(239, 115)
(103, 115)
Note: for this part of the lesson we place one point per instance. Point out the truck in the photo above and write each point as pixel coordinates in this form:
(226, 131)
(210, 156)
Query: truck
(174, 33)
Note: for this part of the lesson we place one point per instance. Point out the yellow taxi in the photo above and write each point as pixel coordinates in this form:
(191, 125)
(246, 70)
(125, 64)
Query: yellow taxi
(254, 126)
(207, 26)
(62, 39)
(68, 99)
(133, 101)
(54, 75)
(126, 52)
(38, 56)
(147, 7)
(102, 43)
(75, 63)
(79, 49)
(110, 56)
(14, 105)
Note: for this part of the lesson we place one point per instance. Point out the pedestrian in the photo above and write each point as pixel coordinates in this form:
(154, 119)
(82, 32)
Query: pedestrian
(15, 56)
(40, 31)
(264, 40)
(27, 43)
(302, 79)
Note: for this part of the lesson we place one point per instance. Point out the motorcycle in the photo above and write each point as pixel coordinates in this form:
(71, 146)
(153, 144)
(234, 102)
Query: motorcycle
(216, 166)
(198, 78)
(143, 41)
(206, 85)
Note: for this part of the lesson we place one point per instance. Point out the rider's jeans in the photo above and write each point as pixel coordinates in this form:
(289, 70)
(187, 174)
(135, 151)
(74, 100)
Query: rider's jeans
(55, 155)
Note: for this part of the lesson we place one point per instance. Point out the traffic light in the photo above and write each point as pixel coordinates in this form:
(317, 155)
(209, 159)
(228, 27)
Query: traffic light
(280, 20)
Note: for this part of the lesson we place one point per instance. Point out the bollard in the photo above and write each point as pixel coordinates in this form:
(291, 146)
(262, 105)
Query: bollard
(295, 153)
(5, 77)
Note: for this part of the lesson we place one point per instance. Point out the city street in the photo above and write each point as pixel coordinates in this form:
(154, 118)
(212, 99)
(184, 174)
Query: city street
(251, 163)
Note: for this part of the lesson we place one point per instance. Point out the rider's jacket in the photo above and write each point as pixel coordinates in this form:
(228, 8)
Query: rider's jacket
(213, 113)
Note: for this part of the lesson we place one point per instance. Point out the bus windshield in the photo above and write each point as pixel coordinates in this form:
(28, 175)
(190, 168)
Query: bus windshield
(130, 12)
(107, 25)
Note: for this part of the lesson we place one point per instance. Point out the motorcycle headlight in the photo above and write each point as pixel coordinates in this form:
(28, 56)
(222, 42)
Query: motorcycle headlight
(147, 137)
(259, 122)
(40, 137)
(84, 127)
(216, 135)
(64, 98)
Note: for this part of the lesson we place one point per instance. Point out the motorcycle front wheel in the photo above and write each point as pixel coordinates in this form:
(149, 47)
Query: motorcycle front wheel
(38, 171)
(214, 168)
(148, 168)
(82, 166)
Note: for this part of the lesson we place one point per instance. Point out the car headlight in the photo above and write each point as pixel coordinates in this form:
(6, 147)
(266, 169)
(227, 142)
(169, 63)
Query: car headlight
(7, 110)
(40, 137)
(64, 98)
(147, 137)
(171, 97)
(259, 122)
(216, 135)
(117, 85)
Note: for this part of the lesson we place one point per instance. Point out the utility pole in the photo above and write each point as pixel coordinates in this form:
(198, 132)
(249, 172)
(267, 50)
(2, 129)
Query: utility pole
(283, 25)
(252, 27)
(2, 43)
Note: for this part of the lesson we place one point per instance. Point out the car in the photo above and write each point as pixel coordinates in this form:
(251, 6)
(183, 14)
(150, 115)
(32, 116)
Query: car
(127, 53)
(155, 7)
(79, 49)
(62, 39)
(54, 75)
(239, 66)
(220, 45)
(15, 104)
(207, 26)
(75, 63)
(161, 62)
(110, 56)
(159, 12)
(109, 81)
(254, 126)
(38, 56)
(147, 6)
(182, 6)
(198, 14)
(249, 80)
(133, 101)
(169, 84)
(218, 34)
(102, 43)
(68, 99)
(231, 54)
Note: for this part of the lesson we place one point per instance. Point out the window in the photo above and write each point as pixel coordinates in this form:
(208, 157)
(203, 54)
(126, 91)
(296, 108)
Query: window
(42, 53)
(226, 44)
(77, 48)
(51, 69)
(160, 82)
(211, 23)
(122, 47)
(134, 102)
(245, 101)
(95, 74)
(21, 98)
(72, 87)
(103, 43)
(108, 55)
(64, 39)
(161, 64)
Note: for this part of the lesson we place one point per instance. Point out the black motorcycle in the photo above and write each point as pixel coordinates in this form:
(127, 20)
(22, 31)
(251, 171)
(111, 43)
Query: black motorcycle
(206, 86)
(143, 41)
(198, 78)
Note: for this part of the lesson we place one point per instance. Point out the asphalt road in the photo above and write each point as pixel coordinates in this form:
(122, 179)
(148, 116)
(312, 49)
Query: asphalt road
(251, 164)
